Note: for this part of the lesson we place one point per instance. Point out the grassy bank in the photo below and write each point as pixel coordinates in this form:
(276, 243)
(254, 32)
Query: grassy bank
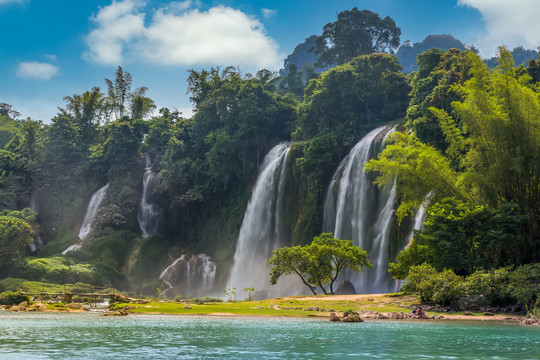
(290, 306)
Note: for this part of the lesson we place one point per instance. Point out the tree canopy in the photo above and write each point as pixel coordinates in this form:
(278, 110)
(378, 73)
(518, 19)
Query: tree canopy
(356, 33)
(318, 264)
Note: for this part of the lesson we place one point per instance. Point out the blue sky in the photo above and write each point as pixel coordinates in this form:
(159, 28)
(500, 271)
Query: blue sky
(50, 49)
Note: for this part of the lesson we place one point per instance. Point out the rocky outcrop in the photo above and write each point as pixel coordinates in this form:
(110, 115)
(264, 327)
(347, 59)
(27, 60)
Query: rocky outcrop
(349, 317)
(317, 308)
(119, 312)
(75, 306)
(530, 320)
(346, 288)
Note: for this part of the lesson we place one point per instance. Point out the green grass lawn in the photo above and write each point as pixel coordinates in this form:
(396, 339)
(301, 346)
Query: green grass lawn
(380, 304)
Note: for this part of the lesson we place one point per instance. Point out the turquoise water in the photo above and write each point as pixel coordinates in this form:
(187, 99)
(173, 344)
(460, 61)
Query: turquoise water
(90, 336)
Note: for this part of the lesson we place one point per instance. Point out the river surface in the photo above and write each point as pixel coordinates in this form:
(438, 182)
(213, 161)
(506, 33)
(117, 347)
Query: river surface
(90, 336)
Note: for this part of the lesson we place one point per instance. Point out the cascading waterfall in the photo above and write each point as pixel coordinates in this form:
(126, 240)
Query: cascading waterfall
(148, 215)
(38, 242)
(189, 275)
(96, 201)
(356, 210)
(261, 230)
(418, 224)
(419, 219)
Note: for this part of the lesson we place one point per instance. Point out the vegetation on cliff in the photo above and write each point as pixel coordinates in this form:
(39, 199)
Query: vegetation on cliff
(469, 152)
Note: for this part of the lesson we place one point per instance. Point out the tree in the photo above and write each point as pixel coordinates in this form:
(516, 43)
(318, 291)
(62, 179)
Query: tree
(16, 234)
(140, 105)
(418, 169)
(118, 92)
(464, 237)
(319, 263)
(87, 109)
(356, 33)
(292, 260)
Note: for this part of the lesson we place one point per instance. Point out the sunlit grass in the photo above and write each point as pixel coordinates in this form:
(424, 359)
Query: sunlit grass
(379, 303)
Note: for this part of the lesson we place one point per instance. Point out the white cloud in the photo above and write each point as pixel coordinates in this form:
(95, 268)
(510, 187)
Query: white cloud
(36, 70)
(508, 22)
(179, 34)
(268, 13)
(118, 25)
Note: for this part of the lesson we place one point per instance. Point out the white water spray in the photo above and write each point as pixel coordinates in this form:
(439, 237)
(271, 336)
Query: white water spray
(356, 210)
(148, 215)
(96, 202)
(261, 230)
(189, 275)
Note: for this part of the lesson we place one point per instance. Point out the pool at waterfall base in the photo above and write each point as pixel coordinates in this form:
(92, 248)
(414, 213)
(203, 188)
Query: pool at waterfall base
(90, 336)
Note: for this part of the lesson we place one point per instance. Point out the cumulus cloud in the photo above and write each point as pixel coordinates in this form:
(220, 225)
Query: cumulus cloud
(179, 34)
(36, 70)
(508, 22)
(118, 25)
(268, 13)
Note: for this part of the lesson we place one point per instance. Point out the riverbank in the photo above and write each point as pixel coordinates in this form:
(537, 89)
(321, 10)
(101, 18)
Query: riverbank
(369, 307)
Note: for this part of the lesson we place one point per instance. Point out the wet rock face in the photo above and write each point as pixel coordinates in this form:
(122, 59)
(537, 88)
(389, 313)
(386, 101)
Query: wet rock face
(346, 288)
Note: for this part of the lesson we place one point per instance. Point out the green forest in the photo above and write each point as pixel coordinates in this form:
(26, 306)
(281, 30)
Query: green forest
(467, 148)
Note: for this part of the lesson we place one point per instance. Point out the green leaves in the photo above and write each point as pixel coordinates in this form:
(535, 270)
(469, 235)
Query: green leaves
(418, 170)
(16, 234)
(319, 263)
(356, 33)
(464, 238)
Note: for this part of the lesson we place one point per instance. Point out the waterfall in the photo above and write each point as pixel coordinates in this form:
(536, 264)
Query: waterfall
(419, 219)
(189, 275)
(356, 210)
(38, 242)
(96, 201)
(148, 215)
(418, 224)
(261, 231)
(95, 204)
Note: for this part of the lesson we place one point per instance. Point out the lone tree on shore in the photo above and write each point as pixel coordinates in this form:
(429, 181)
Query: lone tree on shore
(319, 263)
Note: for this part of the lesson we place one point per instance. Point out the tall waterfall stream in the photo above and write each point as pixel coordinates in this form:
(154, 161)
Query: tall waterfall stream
(96, 201)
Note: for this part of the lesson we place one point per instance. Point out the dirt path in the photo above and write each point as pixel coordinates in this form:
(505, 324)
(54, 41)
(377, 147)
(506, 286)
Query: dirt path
(356, 297)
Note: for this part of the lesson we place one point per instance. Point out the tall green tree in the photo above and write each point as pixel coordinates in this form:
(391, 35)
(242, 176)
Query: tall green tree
(356, 33)
(464, 237)
(16, 234)
(319, 263)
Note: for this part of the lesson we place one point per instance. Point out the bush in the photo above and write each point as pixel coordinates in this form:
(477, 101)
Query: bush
(524, 284)
(449, 288)
(419, 280)
(12, 298)
(499, 287)
(491, 287)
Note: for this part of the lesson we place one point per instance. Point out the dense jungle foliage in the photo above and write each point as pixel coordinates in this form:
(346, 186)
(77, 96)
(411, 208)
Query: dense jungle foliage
(469, 152)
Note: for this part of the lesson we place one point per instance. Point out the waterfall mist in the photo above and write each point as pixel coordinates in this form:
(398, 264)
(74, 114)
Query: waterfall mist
(96, 202)
(356, 210)
(189, 275)
(148, 215)
(261, 231)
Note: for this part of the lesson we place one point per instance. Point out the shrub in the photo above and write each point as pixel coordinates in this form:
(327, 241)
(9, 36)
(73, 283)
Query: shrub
(524, 283)
(491, 287)
(445, 287)
(419, 280)
(449, 288)
(12, 298)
